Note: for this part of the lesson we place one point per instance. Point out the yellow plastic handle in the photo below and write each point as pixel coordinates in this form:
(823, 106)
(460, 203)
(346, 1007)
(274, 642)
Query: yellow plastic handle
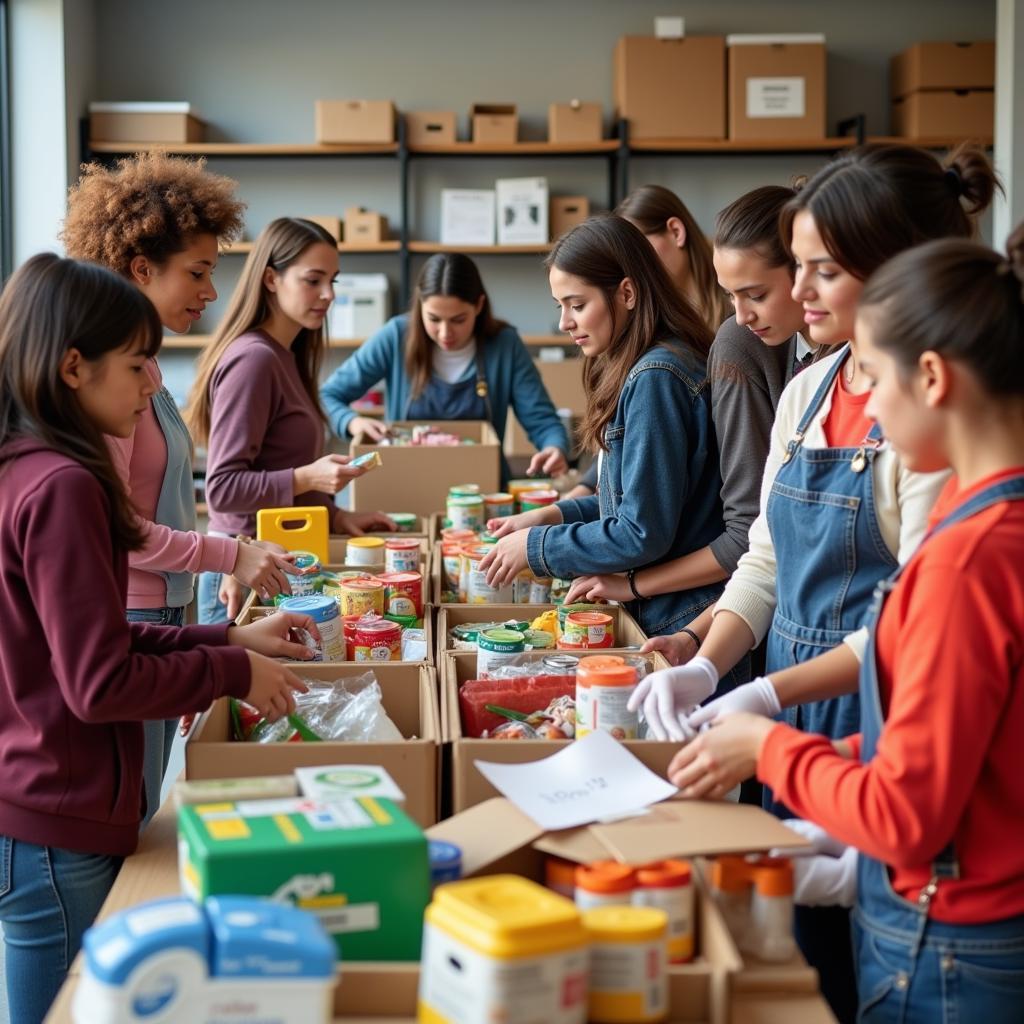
(297, 529)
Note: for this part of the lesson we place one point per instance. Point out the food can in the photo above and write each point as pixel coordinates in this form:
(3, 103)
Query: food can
(567, 645)
(324, 612)
(589, 629)
(450, 533)
(538, 499)
(517, 488)
(565, 610)
(348, 623)
(360, 596)
(561, 664)
(498, 506)
(364, 551)
(540, 591)
(403, 593)
(538, 640)
(306, 578)
(604, 685)
(401, 554)
(465, 512)
(377, 640)
(405, 521)
(495, 647)
(477, 589)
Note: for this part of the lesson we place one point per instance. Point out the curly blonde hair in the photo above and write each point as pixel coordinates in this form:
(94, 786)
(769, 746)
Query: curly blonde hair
(149, 205)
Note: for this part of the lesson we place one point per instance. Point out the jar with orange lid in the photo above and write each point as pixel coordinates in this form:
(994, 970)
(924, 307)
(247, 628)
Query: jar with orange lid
(668, 885)
(604, 883)
(589, 629)
(730, 884)
(604, 684)
(560, 876)
(770, 935)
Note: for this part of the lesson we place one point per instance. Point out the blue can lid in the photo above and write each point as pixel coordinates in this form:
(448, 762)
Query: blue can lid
(443, 855)
(318, 607)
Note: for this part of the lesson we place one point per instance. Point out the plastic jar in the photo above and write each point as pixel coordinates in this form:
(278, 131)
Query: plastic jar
(560, 876)
(445, 861)
(402, 554)
(324, 612)
(465, 512)
(730, 883)
(771, 909)
(377, 640)
(478, 590)
(530, 500)
(497, 506)
(668, 885)
(360, 596)
(604, 883)
(405, 521)
(496, 646)
(604, 685)
(589, 629)
(403, 593)
(628, 966)
(364, 551)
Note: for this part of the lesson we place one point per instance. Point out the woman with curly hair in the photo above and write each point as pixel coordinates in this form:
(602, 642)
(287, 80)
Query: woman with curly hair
(159, 221)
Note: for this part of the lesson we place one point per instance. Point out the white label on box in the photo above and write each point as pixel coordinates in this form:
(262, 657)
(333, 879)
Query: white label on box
(467, 216)
(670, 28)
(353, 917)
(775, 97)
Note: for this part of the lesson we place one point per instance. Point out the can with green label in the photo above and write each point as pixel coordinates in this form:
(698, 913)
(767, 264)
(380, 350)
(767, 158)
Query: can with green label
(405, 521)
(495, 647)
(465, 512)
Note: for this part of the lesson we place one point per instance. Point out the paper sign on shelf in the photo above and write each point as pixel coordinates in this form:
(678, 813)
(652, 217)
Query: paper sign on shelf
(587, 780)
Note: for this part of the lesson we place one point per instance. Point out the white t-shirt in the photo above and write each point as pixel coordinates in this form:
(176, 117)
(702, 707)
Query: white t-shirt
(452, 366)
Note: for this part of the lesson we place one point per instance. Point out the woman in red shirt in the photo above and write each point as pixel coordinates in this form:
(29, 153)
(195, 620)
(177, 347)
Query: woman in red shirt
(934, 795)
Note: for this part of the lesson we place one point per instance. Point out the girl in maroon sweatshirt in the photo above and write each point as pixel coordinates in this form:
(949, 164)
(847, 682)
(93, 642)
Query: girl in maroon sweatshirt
(77, 679)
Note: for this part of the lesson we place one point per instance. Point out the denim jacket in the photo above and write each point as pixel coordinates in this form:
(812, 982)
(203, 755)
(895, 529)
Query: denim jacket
(658, 496)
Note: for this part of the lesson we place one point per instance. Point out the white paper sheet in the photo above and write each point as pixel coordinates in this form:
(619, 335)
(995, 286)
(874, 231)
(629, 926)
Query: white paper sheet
(587, 780)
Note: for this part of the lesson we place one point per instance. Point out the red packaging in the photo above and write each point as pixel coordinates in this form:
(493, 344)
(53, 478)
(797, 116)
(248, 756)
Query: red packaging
(378, 640)
(403, 593)
(348, 623)
(526, 694)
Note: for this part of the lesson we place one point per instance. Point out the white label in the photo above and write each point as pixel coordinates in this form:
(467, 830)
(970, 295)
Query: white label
(775, 97)
(479, 592)
(607, 712)
(631, 969)
(677, 902)
(146, 920)
(670, 28)
(354, 917)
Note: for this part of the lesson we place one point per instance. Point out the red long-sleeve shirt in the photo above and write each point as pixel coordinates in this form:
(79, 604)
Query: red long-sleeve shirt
(950, 760)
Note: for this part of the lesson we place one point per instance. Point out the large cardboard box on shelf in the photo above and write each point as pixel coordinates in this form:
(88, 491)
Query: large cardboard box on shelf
(355, 121)
(566, 212)
(943, 66)
(963, 114)
(776, 86)
(144, 122)
(417, 478)
(563, 380)
(410, 700)
(494, 123)
(575, 122)
(430, 127)
(330, 224)
(671, 88)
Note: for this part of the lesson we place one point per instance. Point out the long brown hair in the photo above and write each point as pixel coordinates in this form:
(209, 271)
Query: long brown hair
(602, 252)
(450, 274)
(650, 207)
(280, 244)
(49, 306)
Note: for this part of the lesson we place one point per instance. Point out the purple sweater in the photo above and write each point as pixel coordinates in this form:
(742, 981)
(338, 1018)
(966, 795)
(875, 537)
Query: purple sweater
(76, 679)
(262, 426)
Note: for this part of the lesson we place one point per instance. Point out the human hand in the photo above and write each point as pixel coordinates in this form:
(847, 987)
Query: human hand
(355, 524)
(330, 474)
(678, 648)
(271, 687)
(371, 429)
(231, 593)
(826, 874)
(668, 695)
(758, 697)
(504, 525)
(271, 635)
(506, 559)
(820, 840)
(721, 757)
(607, 587)
(548, 461)
(260, 569)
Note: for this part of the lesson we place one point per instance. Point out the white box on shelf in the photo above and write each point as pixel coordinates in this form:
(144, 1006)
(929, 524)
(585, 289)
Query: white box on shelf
(467, 216)
(522, 211)
(360, 305)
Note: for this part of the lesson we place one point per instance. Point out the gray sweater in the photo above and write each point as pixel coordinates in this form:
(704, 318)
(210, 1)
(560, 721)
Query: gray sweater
(747, 378)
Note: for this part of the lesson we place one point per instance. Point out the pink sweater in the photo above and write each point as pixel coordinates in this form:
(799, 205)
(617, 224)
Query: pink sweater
(141, 461)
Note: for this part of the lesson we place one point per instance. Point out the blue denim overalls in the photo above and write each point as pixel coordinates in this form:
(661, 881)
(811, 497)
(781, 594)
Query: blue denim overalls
(830, 554)
(909, 968)
(463, 400)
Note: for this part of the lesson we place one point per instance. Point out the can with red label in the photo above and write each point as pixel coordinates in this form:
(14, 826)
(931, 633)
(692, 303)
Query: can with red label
(402, 554)
(403, 593)
(377, 640)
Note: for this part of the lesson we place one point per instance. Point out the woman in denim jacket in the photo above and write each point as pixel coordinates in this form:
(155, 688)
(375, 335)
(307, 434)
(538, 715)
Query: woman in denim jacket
(649, 418)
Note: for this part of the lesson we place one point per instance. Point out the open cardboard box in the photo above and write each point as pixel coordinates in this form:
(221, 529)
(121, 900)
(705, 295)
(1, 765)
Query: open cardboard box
(410, 699)
(337, 541)
(417, 478)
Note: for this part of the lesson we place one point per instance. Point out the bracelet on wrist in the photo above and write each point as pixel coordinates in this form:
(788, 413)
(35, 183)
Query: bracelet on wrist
(631, 577)
(692, 635)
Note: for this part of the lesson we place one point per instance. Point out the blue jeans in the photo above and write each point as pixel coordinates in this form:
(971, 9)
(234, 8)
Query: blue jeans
(159, 734)
(211, 610)
(48, 897)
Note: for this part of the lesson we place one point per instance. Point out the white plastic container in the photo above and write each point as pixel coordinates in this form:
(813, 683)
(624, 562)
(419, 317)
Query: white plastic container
(668, 885)
(770, 936)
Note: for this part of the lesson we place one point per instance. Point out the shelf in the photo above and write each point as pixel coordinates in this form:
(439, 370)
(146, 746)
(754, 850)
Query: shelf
(246, 148)
(392, 245)
(602, 148)
(740, 145)
(481, 250)
(934, 141)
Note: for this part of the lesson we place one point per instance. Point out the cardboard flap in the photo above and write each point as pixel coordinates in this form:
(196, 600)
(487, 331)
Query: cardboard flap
(575, 844)
(687, 828)
(486, 833)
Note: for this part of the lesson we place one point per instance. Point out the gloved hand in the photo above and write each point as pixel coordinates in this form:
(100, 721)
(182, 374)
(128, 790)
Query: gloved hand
(821, 842)
(826, 875)
(758, 697)
(668, 695)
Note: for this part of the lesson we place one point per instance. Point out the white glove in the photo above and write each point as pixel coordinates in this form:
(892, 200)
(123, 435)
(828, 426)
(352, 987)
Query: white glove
(758, 697)
(821, 842)
(668, 694)
(826, 875)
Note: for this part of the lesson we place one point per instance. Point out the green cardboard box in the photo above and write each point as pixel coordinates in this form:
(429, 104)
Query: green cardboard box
(360, 865)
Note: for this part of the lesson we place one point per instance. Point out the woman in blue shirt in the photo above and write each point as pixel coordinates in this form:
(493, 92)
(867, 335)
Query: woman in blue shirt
(449, 359)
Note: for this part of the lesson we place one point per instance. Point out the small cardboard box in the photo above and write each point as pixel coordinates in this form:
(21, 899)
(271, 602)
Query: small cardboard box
(671, 88)
(467, 216)
(355, 121)
(961, 115)
(575, 122)
(522, 210)
(144, 122)
(943, 66)
(776, 86)
(332, 225)
(494, 122)
(342, 860)
(566, 212)
(430, 127)
(410, 699)
(363, 225)
(417, 478)
(361, 305)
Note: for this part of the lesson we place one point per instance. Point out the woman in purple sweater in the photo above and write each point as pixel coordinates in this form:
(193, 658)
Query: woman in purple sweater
(255, 400)
(76, 678)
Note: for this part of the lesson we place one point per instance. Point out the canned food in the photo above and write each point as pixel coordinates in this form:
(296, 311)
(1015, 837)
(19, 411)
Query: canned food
(538, 499)
(497, 506)
(588, 629)
(360, 596)
(364, 551)
(495, 647)
(464, 491)
(540, 591)
(305, 580)
(466, 512)
(324, 612)
(377, 640)
(517, 488)
(564, 644)
(561, 664)
(402, 554)
(403, 593)
(539, 640)
(565, 610)
(478, 590)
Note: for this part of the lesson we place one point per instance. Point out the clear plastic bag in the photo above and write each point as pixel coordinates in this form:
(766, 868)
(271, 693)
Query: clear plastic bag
(557, 663)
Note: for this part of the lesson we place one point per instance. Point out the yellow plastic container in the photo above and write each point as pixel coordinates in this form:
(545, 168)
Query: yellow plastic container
(502, 948)
(628, 964)
(297, 529)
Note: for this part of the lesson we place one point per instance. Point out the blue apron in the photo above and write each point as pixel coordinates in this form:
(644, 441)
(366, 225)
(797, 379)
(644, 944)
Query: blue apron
(910, 968)
(463, 400)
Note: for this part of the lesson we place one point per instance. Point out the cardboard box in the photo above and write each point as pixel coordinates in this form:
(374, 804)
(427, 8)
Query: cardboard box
(342, 860)
(563, 380)
(575, 122)
(671, 88)
(144, 122)
(410, 699)
(776, 86)
(336, 544)
(960, 115)
(522, 210)
(363, 225)
(355, 121)
(332, 225)
(494, 122)
(943, 66)
(417, 479)
(566, 212)
(361, 305)
(430, 127)
(467, 216)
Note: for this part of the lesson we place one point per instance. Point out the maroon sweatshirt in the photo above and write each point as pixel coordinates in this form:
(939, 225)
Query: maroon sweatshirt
(76, 679)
